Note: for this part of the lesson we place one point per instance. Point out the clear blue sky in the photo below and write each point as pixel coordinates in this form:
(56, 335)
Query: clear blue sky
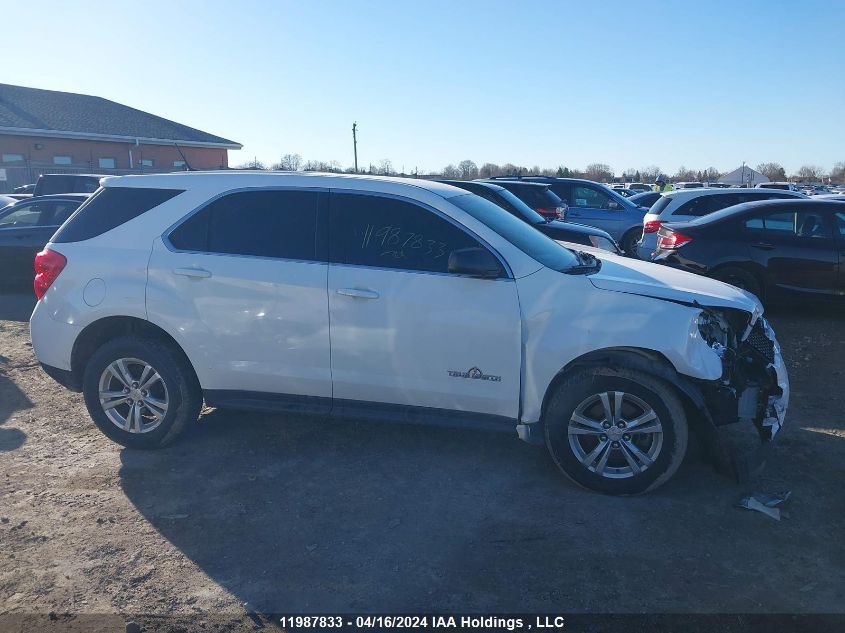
(534, 83)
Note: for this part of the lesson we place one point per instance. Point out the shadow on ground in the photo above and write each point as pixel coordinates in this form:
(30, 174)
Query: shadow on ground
(12, 399)
(16, 305)
(307, 515)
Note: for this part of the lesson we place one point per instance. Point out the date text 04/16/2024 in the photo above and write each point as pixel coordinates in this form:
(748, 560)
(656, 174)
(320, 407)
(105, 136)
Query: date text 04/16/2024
(437, 622)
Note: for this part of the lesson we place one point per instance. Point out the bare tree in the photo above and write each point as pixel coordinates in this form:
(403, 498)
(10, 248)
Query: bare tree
(684, 175)
(650, 173)
(289, 162)
(837, 174)
(711, 174)
(810, 173)
(253, 164)
(488, 170)
(630, 175)
(599, 172)
(468, 170)
(451, 172)
(772, 171)
(385, 167)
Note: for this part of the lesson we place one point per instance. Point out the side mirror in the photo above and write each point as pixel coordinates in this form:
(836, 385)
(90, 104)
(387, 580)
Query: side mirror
(475, 262)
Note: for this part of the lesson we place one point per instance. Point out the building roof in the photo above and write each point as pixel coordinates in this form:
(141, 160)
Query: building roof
(743, 176)
(36, 112)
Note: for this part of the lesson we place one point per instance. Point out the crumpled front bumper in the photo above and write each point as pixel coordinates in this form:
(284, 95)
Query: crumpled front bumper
(777, 405)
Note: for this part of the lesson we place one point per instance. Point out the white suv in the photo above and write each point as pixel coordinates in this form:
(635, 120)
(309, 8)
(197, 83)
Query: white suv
(688, 204)
(397, 299)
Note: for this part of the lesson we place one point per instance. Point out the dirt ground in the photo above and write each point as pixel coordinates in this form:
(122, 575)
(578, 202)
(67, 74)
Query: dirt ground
(295, 514)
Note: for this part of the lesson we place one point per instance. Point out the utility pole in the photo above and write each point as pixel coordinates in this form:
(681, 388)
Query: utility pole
(355, 143)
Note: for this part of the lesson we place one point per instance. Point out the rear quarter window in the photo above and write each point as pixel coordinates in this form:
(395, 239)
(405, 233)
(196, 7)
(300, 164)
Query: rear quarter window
(108, 209)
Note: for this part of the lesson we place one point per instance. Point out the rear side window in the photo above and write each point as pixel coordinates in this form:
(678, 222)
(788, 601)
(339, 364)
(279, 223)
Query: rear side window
(658, 207)
(110, 208)
(278, 224)
(811, 223)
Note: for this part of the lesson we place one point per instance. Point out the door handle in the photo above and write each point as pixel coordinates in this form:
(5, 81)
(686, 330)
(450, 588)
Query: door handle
(197, 273)
(358, 293)
(763, 246)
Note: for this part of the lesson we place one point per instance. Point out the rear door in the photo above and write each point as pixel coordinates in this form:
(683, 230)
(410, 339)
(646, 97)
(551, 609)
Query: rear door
(796, 248)
(404, 330)
(242, 285)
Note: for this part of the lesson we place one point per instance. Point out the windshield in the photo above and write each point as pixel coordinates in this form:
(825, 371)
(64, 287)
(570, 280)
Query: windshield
(525, 237)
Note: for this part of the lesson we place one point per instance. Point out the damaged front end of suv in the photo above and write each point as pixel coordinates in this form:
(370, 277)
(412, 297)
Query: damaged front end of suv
(753, 389)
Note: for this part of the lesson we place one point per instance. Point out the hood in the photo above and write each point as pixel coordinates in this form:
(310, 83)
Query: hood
(622, 274)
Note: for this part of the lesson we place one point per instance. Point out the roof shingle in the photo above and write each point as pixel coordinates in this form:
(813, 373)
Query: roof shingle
(37, 109)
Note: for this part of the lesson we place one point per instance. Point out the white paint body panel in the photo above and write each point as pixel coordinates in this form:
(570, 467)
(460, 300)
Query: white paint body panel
(399, 347)
(255, 324)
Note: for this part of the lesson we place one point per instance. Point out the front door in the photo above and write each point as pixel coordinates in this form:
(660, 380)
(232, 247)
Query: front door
(594, 207)
(404, 330)
(241, 284)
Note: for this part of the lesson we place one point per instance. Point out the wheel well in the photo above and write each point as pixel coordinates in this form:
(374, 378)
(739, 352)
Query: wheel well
(99, 332)
(632, 231)
(752, 270)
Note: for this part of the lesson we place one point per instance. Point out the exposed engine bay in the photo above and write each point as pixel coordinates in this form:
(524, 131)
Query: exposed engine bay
(754, 386)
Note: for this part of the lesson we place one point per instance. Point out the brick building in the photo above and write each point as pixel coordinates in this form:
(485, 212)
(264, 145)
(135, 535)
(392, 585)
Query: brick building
(46, 131)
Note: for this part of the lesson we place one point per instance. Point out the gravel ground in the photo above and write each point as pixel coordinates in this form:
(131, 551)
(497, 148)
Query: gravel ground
(296, 514)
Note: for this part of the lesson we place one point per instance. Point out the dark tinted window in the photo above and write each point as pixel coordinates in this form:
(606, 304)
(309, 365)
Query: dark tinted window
(110, 208)
(562, 190)
(388, 233)
(535, 196)
(809, 223)
(658, 207)
(524, 236)
(86, 185)
(280, 224)
(54, 183)
(56, 212)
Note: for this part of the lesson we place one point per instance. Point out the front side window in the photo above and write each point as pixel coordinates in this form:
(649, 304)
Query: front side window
(23, 216)
(368, 230)
(62, 160)
(522, 235)
(278, 224)
(589, 198)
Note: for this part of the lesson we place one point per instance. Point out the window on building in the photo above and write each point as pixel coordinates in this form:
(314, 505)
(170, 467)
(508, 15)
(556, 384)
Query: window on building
(146, 162)
(12, 158)
(107, 163)
(62, 160)
(178, 163)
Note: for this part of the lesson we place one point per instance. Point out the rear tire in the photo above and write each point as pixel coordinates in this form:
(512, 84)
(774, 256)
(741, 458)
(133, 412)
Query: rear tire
(616, 431)
(741, 279)
(141, 392)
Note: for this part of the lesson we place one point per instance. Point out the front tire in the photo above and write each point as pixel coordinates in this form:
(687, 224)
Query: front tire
(629, 242)
(616, 431)
(141, 393)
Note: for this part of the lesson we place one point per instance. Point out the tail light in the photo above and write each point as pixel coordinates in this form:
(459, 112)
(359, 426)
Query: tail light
(670, 240)
(555, 213)
(651, 226)
(48, 265)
